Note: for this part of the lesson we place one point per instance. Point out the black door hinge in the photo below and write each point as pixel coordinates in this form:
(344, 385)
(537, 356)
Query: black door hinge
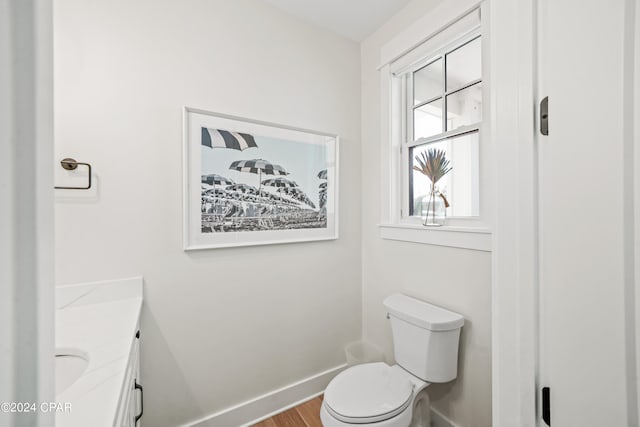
(546, 405)
(544, 116)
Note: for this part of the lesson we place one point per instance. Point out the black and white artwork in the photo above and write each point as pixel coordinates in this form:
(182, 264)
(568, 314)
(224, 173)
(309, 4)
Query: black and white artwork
(256, 182)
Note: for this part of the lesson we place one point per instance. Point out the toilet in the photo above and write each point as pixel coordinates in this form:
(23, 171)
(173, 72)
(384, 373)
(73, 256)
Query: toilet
(425, 344)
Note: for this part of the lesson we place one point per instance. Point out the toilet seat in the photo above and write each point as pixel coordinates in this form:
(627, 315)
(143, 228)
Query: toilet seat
(368, 393)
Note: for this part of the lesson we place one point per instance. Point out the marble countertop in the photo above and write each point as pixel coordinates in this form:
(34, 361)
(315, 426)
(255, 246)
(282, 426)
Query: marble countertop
(101, 320)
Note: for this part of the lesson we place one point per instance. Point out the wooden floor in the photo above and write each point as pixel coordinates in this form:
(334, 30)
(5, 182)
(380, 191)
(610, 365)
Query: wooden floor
(304, 415)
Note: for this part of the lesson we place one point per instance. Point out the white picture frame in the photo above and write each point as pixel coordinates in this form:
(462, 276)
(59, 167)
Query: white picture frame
(247, 182)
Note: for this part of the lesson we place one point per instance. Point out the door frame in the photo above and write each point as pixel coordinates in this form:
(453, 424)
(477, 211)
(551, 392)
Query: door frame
(27, 322)
(514, 244)
(635, 190)
(515, 265)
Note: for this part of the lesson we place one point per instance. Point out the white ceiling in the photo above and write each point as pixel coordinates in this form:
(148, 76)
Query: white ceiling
(354, 19)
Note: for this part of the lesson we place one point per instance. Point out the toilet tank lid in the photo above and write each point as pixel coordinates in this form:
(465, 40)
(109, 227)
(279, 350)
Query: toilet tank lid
(422, 313)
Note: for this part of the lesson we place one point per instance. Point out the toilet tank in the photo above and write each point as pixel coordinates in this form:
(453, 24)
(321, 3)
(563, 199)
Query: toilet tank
(425, 338)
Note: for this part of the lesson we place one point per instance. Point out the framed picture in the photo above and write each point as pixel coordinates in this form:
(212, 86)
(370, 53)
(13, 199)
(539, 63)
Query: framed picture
(248, 182)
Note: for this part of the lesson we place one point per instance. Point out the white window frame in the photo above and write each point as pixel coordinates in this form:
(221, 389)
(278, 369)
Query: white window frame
(407, 107)
(464, 232)
(512, 38)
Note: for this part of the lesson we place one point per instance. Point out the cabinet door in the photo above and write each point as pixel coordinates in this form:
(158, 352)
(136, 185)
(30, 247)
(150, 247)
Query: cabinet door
(128, 422)
(124, 411)
(136, 403)
(129, 406)
(133, 405)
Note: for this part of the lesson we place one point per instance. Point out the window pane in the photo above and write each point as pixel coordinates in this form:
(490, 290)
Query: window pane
(427, 119)
(460, 186)
(427, 82)
(464, 65)
(464, 107)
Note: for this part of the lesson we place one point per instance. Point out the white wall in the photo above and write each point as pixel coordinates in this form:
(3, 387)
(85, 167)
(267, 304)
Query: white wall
(454, 278)
(220, 326)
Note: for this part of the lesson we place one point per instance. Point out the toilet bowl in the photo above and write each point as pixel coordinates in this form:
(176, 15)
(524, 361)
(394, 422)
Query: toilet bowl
(425, 342)
(375, 394)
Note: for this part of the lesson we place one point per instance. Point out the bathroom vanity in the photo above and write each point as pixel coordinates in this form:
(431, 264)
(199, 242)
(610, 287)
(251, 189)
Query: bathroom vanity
(97, 354)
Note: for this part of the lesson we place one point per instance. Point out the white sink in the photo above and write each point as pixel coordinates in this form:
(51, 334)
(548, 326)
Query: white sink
(70, 365)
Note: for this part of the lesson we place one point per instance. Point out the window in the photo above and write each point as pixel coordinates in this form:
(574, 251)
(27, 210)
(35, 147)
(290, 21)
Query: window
(437, 78)
(441, 108)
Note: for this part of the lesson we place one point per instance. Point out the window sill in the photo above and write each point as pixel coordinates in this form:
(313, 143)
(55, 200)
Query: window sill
(475, 238)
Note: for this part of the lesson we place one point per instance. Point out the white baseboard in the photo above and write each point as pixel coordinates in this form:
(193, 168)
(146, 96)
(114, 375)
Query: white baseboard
(439, 420)
(263, 407)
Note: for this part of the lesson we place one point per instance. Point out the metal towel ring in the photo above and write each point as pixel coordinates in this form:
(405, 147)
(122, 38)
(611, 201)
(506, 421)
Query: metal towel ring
(70, 165)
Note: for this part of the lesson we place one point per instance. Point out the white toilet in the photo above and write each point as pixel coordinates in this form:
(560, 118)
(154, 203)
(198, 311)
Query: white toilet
(425, 343)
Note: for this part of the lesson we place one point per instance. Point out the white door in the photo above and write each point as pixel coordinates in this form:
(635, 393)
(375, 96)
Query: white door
(586, 304)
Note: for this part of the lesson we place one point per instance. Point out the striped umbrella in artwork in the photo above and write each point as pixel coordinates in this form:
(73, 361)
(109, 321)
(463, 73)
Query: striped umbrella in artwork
(279, 182)
(322, 195)
(309, 202)
(293, 192)
(242, 188)
(297, 194)
(322, 174)
(218, 138)
(212, 195)
(215, 179)
(267, 195)
(305, 199)
(258, 166)
(216, 192)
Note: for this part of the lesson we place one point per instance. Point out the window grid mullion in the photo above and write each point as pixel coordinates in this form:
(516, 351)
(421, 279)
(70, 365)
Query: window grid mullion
(408, 100)
(429, 101)
(459, 131)
(444, 92)
(464, 86)
(407, 131)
